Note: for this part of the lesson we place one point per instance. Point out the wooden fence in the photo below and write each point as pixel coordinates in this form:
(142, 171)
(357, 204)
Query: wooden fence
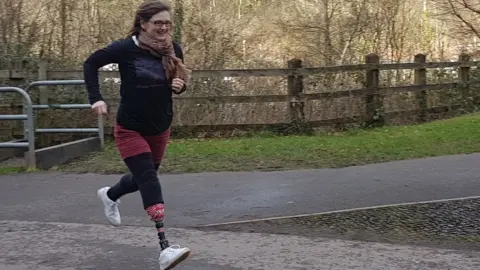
(295, 73)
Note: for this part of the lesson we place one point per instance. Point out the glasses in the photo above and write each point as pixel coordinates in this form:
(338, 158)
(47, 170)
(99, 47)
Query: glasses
(168, 24)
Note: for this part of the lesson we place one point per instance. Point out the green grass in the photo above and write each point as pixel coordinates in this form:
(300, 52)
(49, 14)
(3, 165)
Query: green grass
(452, 136)
(10, 170)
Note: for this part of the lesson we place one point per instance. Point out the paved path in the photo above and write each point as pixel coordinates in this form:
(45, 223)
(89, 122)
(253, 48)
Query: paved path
(62, 246)
(43, 214)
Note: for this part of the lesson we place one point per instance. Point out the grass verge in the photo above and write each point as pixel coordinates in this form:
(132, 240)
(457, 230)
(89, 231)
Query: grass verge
(459, 135)
(10, 170)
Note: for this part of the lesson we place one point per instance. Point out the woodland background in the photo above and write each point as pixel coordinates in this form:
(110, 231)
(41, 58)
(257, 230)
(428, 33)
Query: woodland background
(220, 34)
(247, 34)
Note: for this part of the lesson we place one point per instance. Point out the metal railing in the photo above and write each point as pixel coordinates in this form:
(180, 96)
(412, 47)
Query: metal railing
(100, 121)
(27, 117)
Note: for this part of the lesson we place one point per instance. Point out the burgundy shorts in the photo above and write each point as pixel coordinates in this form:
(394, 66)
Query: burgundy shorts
(131, 143)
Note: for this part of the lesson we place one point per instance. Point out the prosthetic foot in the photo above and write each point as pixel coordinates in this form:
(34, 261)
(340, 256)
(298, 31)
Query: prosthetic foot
(170, 256)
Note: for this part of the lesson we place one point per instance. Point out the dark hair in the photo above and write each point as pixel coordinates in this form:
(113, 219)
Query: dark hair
(145, 12)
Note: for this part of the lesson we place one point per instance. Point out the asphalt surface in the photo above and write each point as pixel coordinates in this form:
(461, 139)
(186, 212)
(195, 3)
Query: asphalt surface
(43, 214)
(199, 199)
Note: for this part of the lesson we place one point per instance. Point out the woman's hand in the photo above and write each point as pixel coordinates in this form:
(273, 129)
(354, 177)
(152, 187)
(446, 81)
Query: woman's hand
(177, 85)
(99, 107)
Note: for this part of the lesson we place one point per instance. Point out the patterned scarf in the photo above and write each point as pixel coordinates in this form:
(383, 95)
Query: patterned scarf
(164, 49)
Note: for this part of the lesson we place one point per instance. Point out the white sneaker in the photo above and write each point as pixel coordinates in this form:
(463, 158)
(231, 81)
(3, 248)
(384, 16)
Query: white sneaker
(172, 256)
(110, 207)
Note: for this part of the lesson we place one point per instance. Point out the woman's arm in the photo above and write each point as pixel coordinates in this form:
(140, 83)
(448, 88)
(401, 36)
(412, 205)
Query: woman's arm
(104, 56)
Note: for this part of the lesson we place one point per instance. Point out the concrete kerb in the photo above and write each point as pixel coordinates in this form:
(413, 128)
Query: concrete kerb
(59, 154)
(8, 153)
(334, 212)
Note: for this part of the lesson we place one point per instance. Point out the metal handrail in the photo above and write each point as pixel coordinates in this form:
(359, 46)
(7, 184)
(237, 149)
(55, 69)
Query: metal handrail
(28, 118)
(100, 120)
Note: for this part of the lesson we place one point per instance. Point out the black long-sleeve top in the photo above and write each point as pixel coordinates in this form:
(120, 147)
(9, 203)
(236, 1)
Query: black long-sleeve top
(145, 93)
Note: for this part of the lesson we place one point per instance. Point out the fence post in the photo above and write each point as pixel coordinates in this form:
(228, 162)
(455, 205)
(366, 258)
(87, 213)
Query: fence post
(464, 77)
(421, 79)
(373, 101)
(17, 68)
(464, 73)
(42, 76)
(295, 91)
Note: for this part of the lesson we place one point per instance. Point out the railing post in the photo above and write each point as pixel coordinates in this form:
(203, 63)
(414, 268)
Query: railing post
(28, 109)
(31, 133)
(101, 133)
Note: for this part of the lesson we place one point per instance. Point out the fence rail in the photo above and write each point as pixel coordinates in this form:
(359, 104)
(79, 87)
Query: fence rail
(296, 98)
(279, 72)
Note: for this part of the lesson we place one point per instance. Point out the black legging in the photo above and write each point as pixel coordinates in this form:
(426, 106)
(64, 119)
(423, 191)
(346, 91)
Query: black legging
(143, 177)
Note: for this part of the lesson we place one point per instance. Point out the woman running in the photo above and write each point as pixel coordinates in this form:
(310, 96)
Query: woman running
(151, 68)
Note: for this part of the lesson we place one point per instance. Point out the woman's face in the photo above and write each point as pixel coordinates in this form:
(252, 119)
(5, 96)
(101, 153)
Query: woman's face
(159, 26)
